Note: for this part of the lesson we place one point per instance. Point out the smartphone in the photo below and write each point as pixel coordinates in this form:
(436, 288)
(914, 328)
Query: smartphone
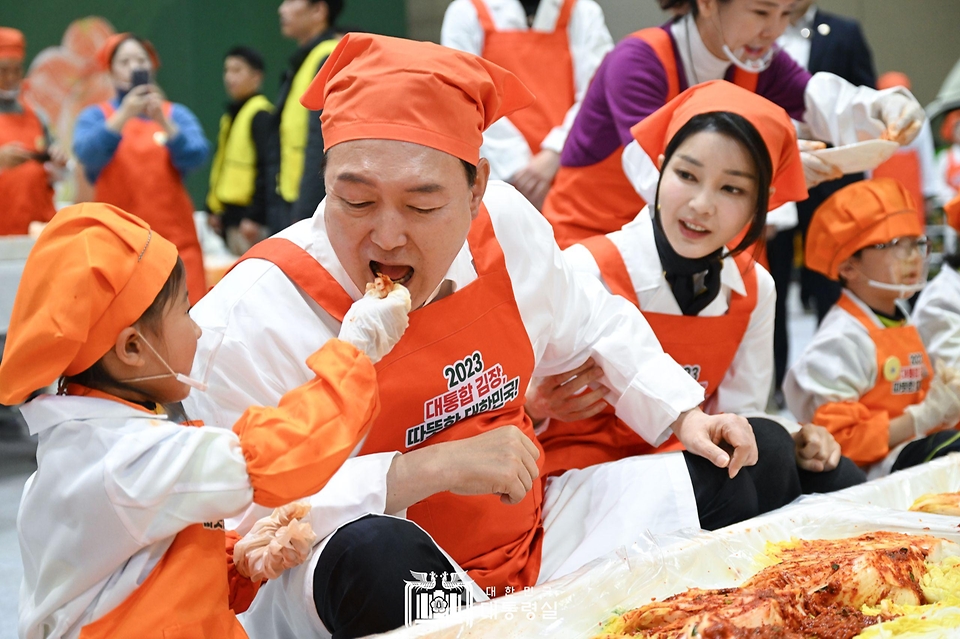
(139, 77)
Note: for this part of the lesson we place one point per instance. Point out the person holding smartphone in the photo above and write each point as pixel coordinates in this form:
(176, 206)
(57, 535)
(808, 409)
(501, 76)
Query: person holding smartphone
(137, 148)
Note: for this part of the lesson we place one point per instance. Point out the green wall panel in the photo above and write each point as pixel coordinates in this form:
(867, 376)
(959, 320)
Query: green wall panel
(191, 37)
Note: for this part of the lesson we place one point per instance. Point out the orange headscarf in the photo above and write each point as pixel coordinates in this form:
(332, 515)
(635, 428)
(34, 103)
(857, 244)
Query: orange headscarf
(892, 79)
(377, 87)
(949, 124)
(654, 132)
(12, 44)
(94, 270)
(105, 53)
(859, 215)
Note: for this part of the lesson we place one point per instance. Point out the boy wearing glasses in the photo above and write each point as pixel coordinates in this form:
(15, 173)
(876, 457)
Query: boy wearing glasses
(866, 375)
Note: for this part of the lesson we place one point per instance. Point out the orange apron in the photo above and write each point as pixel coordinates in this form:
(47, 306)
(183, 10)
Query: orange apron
(25, 190)
(604, 438)
(460, 369)
(543, 63)
(597, 199)
(904, 166)
(953, 168)
(141, 179)
(903, 367)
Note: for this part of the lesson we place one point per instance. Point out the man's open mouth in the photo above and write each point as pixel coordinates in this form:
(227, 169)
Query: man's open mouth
(399, 273)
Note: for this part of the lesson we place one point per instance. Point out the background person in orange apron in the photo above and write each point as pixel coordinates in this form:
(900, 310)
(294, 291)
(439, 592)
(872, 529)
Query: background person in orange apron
(454, 452)
(710, 307)
(948, 161)
(121, 527)
(714, 39)
(136, 149)
(866, 375)
(554, 47)
(25, 145)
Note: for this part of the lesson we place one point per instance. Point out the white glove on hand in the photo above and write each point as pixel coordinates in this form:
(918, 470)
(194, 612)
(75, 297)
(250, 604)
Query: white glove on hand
(816, 170)
(940, 407)
(901, 114)
(275, 543)
(374, 324)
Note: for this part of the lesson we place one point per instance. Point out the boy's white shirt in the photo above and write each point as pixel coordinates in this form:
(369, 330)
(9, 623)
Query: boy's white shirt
(937, 317)
(114, 487)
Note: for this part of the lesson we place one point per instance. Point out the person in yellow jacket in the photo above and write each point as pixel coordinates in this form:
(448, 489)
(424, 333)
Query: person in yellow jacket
(299, 142)
(121, 528)
(237, 199)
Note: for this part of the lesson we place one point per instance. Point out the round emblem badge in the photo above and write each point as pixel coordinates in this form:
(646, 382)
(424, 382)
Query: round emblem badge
(160, 138)
(891, 369)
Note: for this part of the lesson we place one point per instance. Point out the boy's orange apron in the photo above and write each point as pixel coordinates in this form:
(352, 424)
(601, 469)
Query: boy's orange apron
(25, 190)
(543, 63)
(598, 198)
(903, 367)
(141, 179)
(461, 369)
(704, 346)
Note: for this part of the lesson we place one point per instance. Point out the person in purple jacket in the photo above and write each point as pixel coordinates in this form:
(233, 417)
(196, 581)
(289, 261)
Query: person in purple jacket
(604, 175)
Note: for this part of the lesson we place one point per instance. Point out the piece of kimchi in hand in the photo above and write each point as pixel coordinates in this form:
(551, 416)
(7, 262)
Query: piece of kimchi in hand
(819, 589)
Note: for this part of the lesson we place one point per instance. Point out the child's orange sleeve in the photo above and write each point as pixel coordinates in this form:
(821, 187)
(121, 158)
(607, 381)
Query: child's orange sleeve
(863, 435)
(294, 449)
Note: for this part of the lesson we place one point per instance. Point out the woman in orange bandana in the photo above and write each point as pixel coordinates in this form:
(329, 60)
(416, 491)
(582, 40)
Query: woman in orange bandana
(724, 153)
(121, 527)
(137, 148)
(866, 375)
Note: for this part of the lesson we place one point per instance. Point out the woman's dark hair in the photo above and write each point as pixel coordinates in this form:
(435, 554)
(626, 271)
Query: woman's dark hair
(96, 376)
(738, 128)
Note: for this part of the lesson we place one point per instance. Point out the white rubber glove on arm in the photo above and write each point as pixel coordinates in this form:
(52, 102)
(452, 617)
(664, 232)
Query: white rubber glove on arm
(940, 407)
(374, 324)
(901, 114)
(275, 543)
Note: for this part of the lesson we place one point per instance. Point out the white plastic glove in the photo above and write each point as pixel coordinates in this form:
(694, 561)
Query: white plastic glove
(901, 114)
(816, 170)
(275, 543)
(947, 374)
(941, 407)
(374, 324)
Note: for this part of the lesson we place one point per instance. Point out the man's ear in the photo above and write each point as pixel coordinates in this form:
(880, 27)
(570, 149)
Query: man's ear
(479, 187)
(129, 348)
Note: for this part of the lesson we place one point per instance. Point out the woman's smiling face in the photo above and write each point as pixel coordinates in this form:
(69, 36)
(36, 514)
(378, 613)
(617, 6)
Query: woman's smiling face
(707, 194)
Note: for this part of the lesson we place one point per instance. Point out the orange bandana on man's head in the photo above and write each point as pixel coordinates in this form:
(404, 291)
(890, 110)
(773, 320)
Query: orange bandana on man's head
(378, 87)
(857, 216)
(654, 132)
(12, 44)
(94, 271)
(106, 51)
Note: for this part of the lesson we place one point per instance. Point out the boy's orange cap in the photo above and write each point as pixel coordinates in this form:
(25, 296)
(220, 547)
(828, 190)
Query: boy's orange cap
(94, 270)
(105, 53)
(859, 215)
(378, 87)
(654, 132)
(12, 43)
